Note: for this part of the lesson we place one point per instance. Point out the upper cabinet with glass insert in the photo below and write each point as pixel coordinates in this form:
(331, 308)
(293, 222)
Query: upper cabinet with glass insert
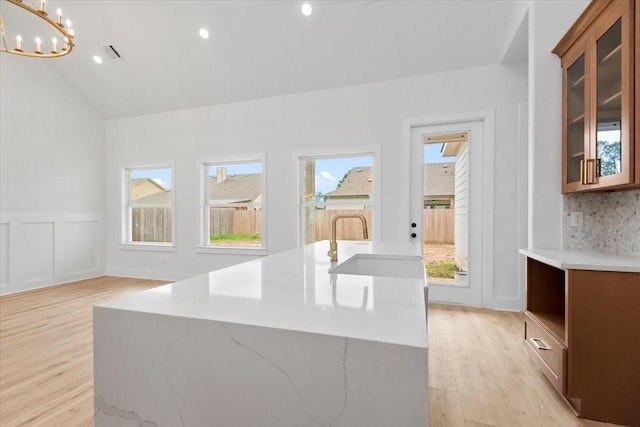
(597, 57)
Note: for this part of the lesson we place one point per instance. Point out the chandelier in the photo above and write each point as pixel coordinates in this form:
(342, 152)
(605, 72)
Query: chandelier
(63, 31)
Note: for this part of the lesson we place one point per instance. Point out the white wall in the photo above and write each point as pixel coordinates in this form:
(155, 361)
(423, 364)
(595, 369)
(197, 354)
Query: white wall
(548, 22)
(461, 228)
(364, 115)
(51, 182)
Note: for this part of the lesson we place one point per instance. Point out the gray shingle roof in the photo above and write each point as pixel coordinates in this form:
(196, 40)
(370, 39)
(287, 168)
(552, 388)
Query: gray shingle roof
(358, 182)
(236, 188)
(159, 198)
(439, 180)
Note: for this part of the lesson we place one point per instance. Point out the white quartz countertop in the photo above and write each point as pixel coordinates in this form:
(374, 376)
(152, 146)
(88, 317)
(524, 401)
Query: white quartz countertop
(293, 290)
(580, 260)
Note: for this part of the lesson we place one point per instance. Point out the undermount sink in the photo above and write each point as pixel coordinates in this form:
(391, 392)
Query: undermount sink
(405, 267)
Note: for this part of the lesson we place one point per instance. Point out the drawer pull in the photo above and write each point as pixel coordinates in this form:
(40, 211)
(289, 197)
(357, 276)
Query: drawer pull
(540, 345)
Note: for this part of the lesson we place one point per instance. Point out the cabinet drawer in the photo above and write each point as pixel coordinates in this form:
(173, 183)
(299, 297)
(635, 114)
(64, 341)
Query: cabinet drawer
(548, 353)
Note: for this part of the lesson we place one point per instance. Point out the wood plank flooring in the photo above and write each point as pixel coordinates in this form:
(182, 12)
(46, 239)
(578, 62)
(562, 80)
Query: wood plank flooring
(46, 351)
(479, 373)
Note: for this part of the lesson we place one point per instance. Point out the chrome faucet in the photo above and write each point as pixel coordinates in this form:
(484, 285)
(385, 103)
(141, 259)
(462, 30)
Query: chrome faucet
(333, 243)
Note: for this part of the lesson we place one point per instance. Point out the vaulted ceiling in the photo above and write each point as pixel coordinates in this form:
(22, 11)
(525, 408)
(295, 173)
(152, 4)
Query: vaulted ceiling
(260, 49)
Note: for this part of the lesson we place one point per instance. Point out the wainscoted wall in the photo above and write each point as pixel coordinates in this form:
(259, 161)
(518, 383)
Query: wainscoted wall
(51, 179)
(611, 222)
(4, 255)
(42, 252)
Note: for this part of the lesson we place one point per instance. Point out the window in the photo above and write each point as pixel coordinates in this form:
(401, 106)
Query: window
(332, 185)
(149, 206)
(233, 199)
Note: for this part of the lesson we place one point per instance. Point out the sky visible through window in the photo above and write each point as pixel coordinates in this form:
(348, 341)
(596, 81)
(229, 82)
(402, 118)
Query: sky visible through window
(160, 176)
(241, 169)
(328, 171)
(432, 154)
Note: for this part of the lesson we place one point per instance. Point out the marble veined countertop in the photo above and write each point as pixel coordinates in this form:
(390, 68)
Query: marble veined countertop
(568, 259)
(293, 290)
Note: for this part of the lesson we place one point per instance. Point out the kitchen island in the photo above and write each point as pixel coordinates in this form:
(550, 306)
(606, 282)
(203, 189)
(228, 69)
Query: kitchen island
(286, 340)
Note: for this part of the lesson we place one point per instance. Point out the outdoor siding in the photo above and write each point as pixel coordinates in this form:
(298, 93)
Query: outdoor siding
(462, 207)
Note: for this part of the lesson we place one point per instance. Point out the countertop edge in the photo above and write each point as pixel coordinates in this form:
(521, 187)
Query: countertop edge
(568, 259)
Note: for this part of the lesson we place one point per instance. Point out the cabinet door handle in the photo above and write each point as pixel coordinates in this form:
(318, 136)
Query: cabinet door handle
(540, 345)
(590, 171)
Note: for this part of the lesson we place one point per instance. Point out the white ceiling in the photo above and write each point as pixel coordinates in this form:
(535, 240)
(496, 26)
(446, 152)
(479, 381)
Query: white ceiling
(262, 48)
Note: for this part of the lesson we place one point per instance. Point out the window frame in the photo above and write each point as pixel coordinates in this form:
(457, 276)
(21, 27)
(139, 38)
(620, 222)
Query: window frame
(335, 153)
(126, 241)
(204, 238)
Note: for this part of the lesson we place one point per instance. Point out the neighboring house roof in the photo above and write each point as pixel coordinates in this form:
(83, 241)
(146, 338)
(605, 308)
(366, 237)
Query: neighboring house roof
(357, 183)
(159, 198)
(138, 181)
(439, 180)
(243, 188)
(145, 187)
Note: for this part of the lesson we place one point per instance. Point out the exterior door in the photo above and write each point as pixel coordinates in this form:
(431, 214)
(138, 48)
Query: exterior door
(465, 290)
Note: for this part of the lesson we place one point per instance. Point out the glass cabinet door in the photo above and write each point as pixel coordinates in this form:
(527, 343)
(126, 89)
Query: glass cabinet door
(575, 119)
(609, 101)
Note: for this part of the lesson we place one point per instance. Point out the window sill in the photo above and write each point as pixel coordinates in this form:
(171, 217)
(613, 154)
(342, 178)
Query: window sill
(230, 250)
(152, 247)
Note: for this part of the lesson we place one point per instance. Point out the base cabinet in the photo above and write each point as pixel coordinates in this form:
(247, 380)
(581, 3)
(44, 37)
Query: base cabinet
(582, 329)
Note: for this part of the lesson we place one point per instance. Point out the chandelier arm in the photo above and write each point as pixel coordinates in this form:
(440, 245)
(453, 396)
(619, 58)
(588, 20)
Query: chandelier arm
(56, 26)
(4, 37)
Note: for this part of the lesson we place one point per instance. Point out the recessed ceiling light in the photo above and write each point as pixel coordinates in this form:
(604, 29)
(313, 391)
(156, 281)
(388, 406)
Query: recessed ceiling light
(97, 59)
(204, 33)
(306, 9)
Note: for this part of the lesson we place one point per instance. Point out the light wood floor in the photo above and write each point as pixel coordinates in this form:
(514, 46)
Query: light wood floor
(46, 351)
(479, 374)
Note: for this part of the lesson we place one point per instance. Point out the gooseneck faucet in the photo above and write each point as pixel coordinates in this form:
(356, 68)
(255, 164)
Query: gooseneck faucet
(333, 243)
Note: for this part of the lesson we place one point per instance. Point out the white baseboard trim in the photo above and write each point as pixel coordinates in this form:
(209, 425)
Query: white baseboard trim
(147, 274)
(7, 289)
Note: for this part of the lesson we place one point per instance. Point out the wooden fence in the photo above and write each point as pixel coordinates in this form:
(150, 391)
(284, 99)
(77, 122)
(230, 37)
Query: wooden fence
(438, 225)
(346, 229)
(151, 225)
(154, 224)
(234, 221)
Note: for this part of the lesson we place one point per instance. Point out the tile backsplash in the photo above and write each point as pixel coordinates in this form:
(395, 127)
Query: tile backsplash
(611, 222)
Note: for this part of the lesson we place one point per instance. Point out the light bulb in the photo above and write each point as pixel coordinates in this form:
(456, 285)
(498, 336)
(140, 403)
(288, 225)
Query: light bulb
(204, 33)
(19, 42)
(54, 45)
(59, 13)
(97, 59)
(306, 9)
(38, 45)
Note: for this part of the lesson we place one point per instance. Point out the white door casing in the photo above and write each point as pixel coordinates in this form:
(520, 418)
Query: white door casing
(480, 126)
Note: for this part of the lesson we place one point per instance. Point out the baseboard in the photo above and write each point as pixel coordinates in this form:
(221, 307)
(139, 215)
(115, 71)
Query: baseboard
(7, 289)
(169, 276)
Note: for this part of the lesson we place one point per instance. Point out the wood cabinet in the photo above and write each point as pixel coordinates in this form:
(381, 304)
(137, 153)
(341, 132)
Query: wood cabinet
(581, 329)
(599, 146)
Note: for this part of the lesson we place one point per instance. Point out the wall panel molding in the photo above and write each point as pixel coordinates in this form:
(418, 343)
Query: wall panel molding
(38, 251)
(5, 272)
